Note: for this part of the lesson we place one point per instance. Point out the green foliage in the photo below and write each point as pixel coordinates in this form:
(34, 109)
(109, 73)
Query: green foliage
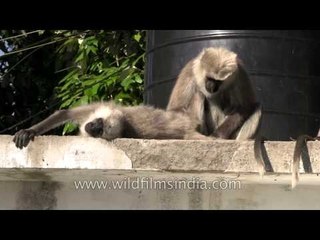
(106, 65)
(77, 67)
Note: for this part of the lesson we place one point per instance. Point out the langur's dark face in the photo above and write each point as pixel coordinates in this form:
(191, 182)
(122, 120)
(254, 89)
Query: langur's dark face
(212, 85)
(109, 128)
(95, 127)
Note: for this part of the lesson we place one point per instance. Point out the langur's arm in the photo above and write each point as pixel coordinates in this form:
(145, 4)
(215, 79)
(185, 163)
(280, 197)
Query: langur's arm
(183, 91)
(187, 98)
(229, 126)
(238, 119)
(23, 137)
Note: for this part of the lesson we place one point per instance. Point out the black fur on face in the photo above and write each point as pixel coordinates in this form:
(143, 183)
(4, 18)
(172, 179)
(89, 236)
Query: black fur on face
(95, 127)
(212, 85)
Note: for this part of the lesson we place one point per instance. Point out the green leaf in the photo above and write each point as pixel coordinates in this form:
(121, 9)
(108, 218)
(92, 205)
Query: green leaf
(68, 84)
(121, 96)
(89, 39)
(69, 75)
(94, 42)
(126, 83)
(124, 74)
(92, 91)
(67, 103)
(137, 37)
(138, 79)
(84, 100)
(80, 57)
(69, 127)
(89, 82)
(92, 49)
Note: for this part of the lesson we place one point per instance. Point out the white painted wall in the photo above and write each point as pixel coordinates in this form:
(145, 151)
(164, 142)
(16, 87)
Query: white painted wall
(42, 176)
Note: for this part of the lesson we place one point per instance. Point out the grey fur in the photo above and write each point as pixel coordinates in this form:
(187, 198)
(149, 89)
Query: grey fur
(215, 90)
(235, 95)
(116, 122)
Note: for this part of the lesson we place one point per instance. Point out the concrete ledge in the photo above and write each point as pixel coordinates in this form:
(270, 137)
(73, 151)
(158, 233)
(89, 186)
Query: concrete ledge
(44, 175)
(55, 189)
(63, 152)
(72, 152)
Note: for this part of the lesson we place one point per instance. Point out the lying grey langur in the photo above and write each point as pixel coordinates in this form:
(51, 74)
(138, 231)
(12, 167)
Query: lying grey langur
(215, 90)
(109, 121)
(301, 140)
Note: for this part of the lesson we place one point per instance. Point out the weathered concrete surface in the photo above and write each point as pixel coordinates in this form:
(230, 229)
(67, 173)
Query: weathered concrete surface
(184, 155)
(44, 175)
(63, 152)
(233, 191)
(218, 155)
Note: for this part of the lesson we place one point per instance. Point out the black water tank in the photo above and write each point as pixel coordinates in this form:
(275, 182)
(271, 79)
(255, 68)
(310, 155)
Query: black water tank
(284, 67)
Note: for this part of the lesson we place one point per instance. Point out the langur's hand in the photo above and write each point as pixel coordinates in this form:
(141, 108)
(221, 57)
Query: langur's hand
(23, 137)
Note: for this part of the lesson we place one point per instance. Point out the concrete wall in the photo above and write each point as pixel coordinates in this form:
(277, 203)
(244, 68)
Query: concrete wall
(152, 174)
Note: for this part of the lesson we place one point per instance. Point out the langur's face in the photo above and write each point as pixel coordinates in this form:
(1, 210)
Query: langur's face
(95, 127)
(109, 128)
(218, 80)
(217, 66)
(212, 85)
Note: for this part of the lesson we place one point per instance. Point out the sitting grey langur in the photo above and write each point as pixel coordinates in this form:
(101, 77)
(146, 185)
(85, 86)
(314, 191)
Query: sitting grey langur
(215, 89)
